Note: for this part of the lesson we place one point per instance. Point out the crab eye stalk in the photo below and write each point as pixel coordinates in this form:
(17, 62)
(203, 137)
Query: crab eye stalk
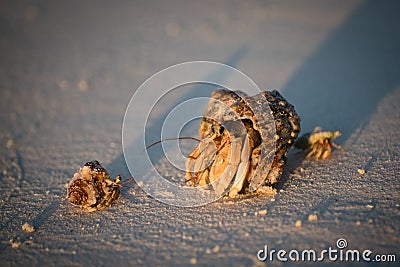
(215, 129)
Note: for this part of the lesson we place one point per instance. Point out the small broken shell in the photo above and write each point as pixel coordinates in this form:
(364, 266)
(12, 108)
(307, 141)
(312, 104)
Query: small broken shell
(92, 189)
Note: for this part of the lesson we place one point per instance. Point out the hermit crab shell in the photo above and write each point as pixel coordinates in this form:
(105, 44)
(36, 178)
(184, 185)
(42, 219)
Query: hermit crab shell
(91, 187)
(271, 116)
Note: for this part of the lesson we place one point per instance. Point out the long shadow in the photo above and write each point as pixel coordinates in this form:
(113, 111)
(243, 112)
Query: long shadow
(341, 84)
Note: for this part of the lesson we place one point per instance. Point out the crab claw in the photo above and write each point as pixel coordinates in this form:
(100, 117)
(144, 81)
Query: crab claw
(224, 180)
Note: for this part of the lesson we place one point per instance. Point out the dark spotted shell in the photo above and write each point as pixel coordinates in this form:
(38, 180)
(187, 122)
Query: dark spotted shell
(274, 118)
(91, 187)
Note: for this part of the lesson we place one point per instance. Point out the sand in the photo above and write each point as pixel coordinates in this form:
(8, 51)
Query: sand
(68, 70)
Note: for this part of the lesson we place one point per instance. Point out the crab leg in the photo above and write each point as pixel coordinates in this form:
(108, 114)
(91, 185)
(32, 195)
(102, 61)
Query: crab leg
(203, 178)
(242, 170)
(220, 162)
(207, 153)
(199, 159)
(224, 180)
(326, 154)
(336, 146)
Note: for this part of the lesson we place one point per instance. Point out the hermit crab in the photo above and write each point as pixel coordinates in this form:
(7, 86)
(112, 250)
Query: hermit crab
(244, 141)
(92, 189)
(319, 142)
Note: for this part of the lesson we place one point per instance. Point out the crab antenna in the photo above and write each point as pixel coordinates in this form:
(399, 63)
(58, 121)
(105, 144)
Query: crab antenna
(171, 139)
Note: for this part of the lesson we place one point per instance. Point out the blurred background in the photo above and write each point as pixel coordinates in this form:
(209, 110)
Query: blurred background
(69, 68)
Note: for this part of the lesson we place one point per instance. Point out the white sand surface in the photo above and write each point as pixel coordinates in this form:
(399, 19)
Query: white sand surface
(69, 68)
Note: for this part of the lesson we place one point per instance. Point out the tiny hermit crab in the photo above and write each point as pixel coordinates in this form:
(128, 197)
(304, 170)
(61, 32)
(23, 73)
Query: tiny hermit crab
(244, 141)
(92, 189)
(319, 142)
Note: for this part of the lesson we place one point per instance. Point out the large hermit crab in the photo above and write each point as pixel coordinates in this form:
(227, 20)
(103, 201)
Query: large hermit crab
(244, 141)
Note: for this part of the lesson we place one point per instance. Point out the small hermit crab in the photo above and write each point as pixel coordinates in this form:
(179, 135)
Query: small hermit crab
(319, 142)
(92, 189)
(244, 141)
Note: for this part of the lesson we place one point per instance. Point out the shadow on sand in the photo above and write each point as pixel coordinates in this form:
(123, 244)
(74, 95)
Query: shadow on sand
(341, 84)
